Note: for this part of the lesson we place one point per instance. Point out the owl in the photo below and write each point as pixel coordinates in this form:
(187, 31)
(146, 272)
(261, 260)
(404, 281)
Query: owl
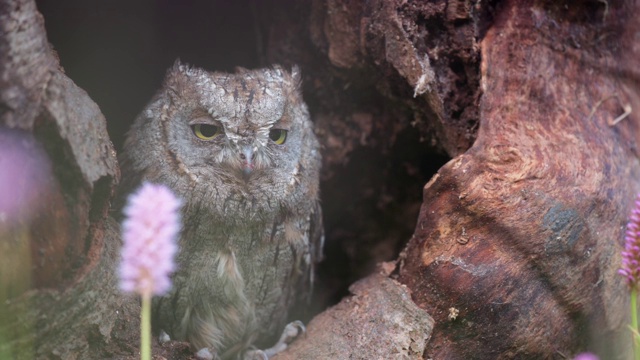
(240, 151)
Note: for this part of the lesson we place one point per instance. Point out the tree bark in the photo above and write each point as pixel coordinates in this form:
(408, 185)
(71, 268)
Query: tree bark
(523, 232)
(59, 291)
(518, 240)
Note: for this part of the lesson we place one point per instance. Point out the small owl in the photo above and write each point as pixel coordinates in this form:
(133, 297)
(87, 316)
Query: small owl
(240, 151)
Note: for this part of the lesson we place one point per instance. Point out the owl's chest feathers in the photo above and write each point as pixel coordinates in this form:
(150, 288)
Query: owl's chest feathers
(238, 269)
(235, 243)
(225, 193)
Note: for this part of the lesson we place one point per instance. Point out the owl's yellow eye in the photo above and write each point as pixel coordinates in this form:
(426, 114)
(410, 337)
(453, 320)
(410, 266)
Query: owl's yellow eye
(206, 131)
(279, 136)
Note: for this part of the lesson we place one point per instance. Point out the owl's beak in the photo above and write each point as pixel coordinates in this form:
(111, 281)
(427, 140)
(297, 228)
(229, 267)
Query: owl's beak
(247, 155)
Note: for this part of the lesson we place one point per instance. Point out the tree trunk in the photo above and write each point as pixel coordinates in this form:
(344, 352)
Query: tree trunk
(518, 240)
(523, 232)
(58, 291)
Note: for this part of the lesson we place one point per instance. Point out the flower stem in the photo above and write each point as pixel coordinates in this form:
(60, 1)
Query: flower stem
(634, 322)
(145, 328)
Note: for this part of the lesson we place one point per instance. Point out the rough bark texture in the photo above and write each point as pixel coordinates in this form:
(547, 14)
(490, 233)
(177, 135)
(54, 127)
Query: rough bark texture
(380, 321)
(58, 289)
(523, 232)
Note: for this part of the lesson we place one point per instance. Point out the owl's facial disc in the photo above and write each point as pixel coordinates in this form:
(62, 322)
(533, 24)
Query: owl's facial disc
(245, 147)
(253, 147)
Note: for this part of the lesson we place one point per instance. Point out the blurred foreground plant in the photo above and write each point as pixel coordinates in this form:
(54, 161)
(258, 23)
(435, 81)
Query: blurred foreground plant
(631, 269)
(25, 176)
(586, 356)
(149, 244)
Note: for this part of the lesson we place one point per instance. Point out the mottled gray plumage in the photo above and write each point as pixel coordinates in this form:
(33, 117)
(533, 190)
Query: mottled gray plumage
(252, 223)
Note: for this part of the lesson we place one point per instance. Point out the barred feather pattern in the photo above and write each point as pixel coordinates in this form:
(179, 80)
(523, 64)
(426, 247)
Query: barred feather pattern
(252, 228)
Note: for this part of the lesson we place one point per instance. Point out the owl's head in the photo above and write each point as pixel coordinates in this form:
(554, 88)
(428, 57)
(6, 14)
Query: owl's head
(250, 129)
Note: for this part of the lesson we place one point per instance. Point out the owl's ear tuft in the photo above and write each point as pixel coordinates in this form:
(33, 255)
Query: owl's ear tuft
(293, 83)
(180, 69)
(178, 66)
(296, 76)
(176, 78)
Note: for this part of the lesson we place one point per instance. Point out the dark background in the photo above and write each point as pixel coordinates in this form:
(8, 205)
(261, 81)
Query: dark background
(118, 51)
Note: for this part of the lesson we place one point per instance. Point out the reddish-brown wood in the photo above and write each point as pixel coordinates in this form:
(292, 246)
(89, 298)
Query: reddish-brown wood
(523, 232)
(379, 321)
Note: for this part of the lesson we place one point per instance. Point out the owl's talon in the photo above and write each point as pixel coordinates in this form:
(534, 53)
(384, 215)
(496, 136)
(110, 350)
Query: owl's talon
(290, 333)
(255, 355)
(294, 329)
(206, 354)
(163, 337)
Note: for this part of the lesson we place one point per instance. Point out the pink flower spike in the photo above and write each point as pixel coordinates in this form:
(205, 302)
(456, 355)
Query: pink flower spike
(631, 254)
(25, 175)
(586, 356)
(149, 234)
